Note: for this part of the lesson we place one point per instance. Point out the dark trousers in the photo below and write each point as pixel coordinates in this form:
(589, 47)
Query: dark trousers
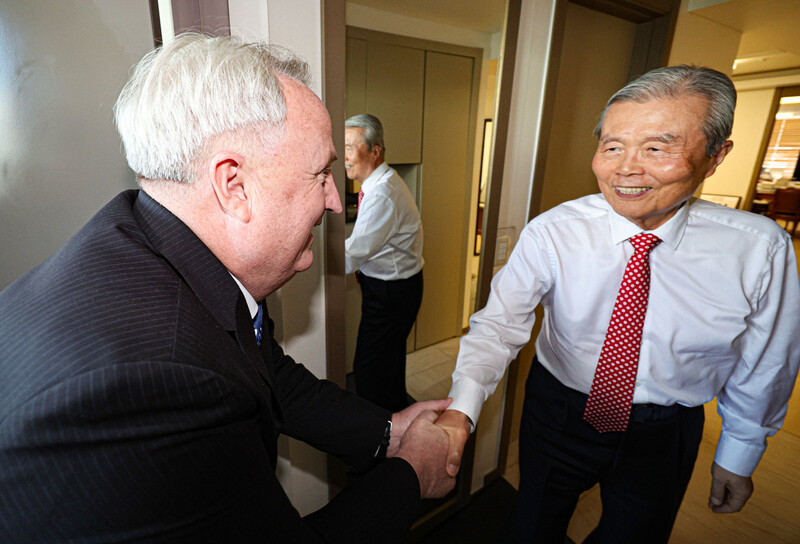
(388, 311)
(643, 472)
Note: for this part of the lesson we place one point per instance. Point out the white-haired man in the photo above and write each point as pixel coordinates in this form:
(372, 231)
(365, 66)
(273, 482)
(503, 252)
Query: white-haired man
(141, 389)
(654, 304)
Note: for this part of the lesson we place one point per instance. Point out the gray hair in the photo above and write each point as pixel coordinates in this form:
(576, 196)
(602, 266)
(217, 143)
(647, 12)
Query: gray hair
(195, 88)
(373, 129)
(676, 81)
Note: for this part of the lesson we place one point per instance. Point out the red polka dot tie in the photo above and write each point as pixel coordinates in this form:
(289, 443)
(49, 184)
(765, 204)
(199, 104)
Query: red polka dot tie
(360, 198)
(608, 407)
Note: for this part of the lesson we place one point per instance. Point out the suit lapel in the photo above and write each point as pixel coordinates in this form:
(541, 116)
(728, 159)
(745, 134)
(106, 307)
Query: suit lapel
(205, 275)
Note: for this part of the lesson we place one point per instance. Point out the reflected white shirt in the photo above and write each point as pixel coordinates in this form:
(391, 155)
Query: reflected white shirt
(386, 242)
(723, 317)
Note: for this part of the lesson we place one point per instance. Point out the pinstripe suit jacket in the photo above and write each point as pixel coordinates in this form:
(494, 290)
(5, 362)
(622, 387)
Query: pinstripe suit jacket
(135, 404)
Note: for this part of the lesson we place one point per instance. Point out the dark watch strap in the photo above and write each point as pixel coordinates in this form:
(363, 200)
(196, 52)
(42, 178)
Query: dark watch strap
(383, 447)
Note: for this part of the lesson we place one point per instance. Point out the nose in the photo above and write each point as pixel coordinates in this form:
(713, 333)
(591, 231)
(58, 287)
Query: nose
(630, 163)
(332, 201)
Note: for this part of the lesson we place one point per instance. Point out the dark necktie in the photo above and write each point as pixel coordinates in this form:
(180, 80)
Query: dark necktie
(258, 323)
(608, 407)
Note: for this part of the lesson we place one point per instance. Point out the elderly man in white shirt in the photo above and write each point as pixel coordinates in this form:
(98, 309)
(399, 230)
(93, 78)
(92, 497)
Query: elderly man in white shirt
(385, 251)
(708, 306)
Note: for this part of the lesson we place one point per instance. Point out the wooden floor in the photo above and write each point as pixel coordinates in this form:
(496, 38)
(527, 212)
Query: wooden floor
(771, 516)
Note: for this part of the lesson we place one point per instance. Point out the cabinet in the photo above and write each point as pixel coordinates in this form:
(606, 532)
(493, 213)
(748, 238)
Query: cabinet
(387, 81)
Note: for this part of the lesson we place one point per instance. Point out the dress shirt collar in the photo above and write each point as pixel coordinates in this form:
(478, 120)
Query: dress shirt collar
(252, 305)
(670, 232)
(373, 178)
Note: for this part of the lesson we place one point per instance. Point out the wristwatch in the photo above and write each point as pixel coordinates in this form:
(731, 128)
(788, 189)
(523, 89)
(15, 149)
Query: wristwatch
(384, 445)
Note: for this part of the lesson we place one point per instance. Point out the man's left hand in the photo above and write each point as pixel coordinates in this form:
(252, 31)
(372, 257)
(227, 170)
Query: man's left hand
(729, 491)
(401, 420)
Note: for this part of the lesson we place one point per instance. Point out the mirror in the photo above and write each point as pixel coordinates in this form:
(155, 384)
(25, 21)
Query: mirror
(434, 92)
(433, 99)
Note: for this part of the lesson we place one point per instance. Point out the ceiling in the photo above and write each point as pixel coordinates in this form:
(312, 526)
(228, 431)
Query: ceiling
(770, 28)
(770, 32)
(478, 15)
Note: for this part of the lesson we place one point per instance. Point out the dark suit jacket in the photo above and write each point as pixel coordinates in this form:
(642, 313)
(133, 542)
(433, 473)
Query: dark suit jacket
(135, 404)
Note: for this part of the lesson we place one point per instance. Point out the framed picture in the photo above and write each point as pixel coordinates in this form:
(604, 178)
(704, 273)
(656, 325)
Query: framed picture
(729, 201)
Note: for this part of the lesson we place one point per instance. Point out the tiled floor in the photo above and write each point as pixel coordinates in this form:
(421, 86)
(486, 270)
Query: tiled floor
(770, 515)
(428, 370)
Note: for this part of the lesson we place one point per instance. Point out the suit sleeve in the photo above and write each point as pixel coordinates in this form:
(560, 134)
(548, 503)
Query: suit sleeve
(164, 452)
(323, 414)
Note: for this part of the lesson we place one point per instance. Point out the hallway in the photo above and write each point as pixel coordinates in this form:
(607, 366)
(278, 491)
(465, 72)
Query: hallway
(770, 515)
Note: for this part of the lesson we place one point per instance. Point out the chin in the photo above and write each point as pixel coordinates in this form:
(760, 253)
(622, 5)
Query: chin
(304, 262)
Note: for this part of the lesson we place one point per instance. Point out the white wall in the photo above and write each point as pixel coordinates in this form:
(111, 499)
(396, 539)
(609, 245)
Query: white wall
(62, 65)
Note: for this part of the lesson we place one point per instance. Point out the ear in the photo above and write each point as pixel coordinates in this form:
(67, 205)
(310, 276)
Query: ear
(717, 159)
(376, 152)
(230, 184)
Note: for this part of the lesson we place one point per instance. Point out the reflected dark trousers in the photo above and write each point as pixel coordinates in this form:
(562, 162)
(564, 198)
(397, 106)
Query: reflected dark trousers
(643, 472)
(388, 311)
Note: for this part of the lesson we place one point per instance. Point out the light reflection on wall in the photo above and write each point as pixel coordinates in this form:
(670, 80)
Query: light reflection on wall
(62, 65)
(8, 134)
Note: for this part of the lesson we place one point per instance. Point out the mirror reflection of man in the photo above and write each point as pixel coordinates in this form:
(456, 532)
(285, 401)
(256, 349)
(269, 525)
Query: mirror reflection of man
(385, 251)
(654, 304)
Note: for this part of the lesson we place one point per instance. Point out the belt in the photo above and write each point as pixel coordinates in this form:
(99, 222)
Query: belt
(653, 412)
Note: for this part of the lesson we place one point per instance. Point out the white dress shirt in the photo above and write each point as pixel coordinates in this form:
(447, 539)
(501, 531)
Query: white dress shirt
(723, 317)
(252, 305)
(386, 242)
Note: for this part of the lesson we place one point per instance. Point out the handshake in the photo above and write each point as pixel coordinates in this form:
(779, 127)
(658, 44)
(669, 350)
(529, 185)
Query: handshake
(431, 438)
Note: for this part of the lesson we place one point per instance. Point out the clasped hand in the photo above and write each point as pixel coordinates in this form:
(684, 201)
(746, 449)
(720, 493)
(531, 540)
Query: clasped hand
(431, 438)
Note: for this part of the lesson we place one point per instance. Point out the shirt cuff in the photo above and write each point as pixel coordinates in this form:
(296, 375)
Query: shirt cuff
(468, 399)
(736, 456)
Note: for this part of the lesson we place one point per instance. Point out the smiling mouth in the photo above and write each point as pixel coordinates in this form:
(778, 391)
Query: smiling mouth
(632, 190)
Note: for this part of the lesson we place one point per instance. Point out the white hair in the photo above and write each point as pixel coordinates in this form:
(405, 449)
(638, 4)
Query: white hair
(197, 87)
(373, 129)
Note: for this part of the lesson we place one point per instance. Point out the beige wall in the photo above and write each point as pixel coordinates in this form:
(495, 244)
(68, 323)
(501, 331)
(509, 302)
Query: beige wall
(751, 121)
(703, 42)
(587, 77)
